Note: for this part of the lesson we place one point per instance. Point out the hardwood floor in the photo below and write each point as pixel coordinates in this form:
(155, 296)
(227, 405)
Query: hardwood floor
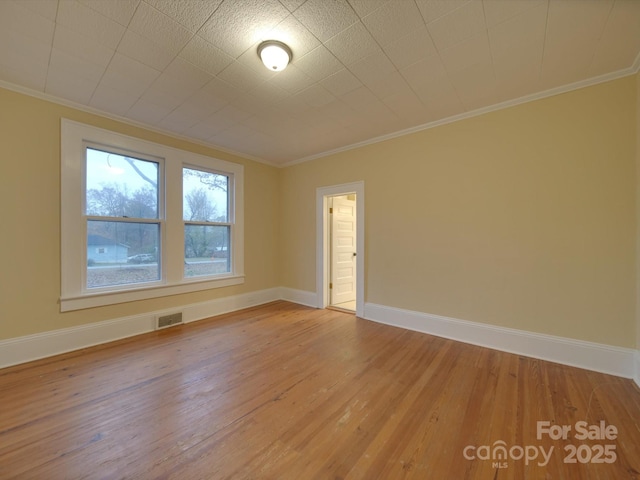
(288, 392)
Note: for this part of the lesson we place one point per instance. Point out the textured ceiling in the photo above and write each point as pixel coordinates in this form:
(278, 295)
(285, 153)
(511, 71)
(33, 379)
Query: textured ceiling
(361, 68)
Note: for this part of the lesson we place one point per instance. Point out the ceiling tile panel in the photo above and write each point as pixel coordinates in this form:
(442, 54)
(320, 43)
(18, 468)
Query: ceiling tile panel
(571, 24)
(147, 111)
(293, 33)
(293, 106)
(573, 33)
(268, 93)
(242, 77)
(113, 100)
(411, 48)
(179, 81)
(292, 80)
(199, 131)
(428, 70)
(372, 67)
(408, 107)
(432, 10)
(430, 81)
(204, 100)
(392, 21)
(519, 32)
(234, 136)
(89, 23)
(385, 87)
(319, 63)
(234, 114)
(440, 100)
(476, 86)
(236, 26)
(336, 111)
(292, 5)
(159, 28)
(205, 55)
(365, 7)
(498, 11)
(326, 18)
(467, 53)
(16, 17)
(44, 8)
(178, 121)
(67, 84)
(341, 82)
(620, 41)
(352, 44)
(357, 99)
(196, 111)
(128, 76)
(562, 68)
(191, 15)
(13, 65)
(518, 71)
(222, 89)
(254, 105)
(315, 96)
(457, 26)
(82, 47)
(144, 50)
(119, 10)
(212, 125)
(62, 62)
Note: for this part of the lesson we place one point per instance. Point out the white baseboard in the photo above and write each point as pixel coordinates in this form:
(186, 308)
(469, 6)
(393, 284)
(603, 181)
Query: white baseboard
(33, 347)
(591, 356)
(302, 297)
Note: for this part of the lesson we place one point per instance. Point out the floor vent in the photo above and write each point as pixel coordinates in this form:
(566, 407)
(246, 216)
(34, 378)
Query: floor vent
(169, 320)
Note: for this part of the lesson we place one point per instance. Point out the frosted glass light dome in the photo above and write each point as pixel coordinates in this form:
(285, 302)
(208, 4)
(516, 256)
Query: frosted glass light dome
(275, 55)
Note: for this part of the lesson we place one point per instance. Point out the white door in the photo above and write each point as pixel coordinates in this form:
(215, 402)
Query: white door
(343, 249)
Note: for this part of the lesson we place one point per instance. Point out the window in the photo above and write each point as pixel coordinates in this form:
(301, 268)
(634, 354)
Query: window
(142, 220)
(122, 211)
(205, 205)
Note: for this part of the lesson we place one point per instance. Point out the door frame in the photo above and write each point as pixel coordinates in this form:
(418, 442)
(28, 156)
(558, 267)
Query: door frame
(322, 241)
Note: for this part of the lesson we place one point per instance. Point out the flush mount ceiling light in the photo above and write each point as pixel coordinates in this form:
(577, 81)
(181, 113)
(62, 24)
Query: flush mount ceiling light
(275, 55)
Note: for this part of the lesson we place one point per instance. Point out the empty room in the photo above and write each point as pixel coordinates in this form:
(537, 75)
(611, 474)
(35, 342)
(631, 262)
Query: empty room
(320, 239)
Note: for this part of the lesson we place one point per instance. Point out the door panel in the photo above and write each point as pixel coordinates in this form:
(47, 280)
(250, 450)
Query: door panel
(343, 250)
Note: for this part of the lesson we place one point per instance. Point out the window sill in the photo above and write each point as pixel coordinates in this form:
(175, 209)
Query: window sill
(90, 300)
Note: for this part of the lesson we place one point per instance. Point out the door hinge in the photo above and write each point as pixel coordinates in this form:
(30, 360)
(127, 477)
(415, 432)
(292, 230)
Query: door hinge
(331, 210)
(330, 285)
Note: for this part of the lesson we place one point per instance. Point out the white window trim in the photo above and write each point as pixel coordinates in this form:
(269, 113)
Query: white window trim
(74, 295)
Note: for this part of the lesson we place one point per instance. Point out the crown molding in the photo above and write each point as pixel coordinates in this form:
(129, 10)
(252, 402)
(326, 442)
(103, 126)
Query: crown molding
(480, 111)
(111, 116)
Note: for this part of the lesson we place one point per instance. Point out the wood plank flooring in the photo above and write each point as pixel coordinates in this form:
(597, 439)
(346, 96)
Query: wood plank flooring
(288, 392)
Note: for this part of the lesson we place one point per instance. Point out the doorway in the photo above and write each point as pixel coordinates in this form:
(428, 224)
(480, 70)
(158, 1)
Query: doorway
(340, 247)
(342, 252)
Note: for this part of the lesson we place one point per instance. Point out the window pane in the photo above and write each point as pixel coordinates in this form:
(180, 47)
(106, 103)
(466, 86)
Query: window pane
(205, 196)
(119, 186)
(206, 250)
(120, 253)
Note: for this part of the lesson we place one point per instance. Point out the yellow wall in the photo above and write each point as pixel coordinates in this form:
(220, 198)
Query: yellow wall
(30, 200)
(523, 217)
